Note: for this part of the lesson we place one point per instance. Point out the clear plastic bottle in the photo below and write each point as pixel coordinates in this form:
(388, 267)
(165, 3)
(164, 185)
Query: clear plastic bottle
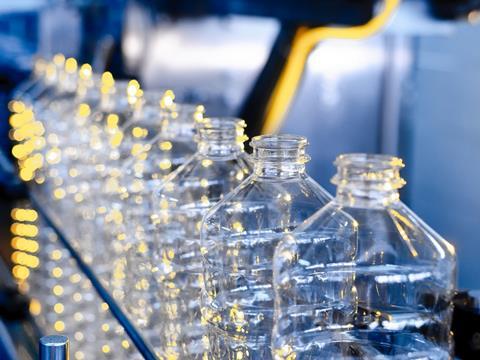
(239, 236)
(364, 278)
(217, 168)
(127, 220)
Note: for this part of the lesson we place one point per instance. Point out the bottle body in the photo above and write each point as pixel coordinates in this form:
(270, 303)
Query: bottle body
(128, 221)
(364, 278)
(239, 236)
(179, 205)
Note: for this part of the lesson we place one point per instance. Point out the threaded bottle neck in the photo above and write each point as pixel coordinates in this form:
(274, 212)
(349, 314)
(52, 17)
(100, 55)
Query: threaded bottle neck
(220, 137)
(279, 156)
(368, 180)
(178, 120)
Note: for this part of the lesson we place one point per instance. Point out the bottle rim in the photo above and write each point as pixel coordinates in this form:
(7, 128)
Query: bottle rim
(278, 141)
(372, 161)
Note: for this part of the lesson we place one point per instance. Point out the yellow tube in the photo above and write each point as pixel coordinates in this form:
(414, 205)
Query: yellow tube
(304, 42)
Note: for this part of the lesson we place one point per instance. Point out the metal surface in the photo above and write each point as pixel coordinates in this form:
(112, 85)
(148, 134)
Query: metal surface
(338, 104)
(210, 60)
(440, 142)
(54, 347)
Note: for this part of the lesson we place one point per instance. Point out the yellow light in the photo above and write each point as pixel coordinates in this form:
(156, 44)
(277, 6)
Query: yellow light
(59, 193)
(26, 174)
(58, 59)
(112, 121)
(78, 316)
(139, 132)
(105, 349)
(24, 229)
(20, 243)
(58, 290)
(116, 139)
(57, 272)
(133, 87)
(199, 111)
(29, 215)
(105, 327)
(56, 255)
(20, 119)
(77, 297)
(104, 306)
(203, 182)
(79, 355)
(75, 278)
(206, 162)
(34, 162)
(16, 106)
(73, 172)
(165, 164)
(125, 344)
(137, 149)
(142, 247)
(71, 65)
(167, 99)
(83, 110)
(35, 307)
(165, 145)
(107, 79)
(58, 308)
(85, 72)
(237, 226)
(20, 272)
(59, 325)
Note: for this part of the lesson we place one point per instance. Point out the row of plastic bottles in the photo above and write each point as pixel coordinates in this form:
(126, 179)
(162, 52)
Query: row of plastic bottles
(215, 253)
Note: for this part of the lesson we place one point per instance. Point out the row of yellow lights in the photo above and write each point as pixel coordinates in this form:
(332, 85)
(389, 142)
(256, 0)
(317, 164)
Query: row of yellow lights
(23, 257)
(26, 130)
(24, 242)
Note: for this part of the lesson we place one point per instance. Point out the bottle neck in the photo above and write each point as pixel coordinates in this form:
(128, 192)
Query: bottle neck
(278, 169)
(367, 181)
(279, 156)
(220, 137)
(365, 198)
(178, 120)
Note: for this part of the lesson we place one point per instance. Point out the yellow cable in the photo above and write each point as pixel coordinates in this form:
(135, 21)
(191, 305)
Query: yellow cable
(304, 42)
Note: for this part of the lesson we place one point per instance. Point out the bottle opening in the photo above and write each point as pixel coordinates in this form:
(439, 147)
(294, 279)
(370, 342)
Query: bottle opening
(373, 171)
(221, 135)
(284, 147)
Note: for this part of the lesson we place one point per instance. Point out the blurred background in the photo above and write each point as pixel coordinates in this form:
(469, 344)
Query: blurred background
(412, 90)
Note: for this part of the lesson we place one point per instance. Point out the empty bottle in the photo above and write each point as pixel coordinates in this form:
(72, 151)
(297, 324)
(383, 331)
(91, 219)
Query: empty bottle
(239, 236)
(364, 278)
(179, 204)
(127, 224)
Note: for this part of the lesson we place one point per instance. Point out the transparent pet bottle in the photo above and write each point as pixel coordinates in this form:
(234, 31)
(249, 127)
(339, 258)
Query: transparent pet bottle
(364, 278)
(239, 236)
(90, 158)
(180, 203)
(128, 213)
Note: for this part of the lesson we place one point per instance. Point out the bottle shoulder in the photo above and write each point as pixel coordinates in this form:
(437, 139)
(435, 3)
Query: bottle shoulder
(267, 206)
(202, 178)
(391, 234)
